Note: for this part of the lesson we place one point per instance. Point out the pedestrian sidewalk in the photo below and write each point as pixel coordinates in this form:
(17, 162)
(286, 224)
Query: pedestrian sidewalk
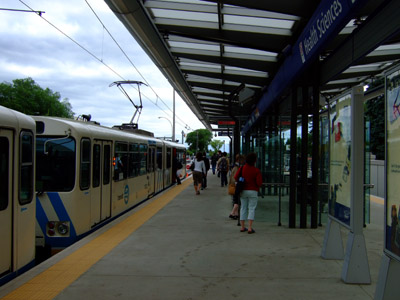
(191, 249)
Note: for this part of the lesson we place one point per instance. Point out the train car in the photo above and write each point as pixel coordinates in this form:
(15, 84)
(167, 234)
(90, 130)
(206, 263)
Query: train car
(175, 162)
(88, 174)
(17, 201)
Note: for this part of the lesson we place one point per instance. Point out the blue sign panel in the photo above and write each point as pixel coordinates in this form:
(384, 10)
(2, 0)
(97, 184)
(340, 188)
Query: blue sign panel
(328, 19)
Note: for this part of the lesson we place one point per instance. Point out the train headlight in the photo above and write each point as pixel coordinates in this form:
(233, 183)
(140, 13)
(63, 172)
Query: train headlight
(62, 228)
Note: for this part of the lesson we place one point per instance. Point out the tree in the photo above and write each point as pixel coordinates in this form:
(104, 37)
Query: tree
(199, 140)
(25, 96)
(216, 145)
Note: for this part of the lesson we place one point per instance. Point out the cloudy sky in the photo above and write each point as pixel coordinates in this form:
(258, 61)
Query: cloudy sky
(33, 47)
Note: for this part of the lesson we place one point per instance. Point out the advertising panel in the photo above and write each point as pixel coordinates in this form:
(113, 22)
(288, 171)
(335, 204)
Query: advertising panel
(340, 157)
(392, 206)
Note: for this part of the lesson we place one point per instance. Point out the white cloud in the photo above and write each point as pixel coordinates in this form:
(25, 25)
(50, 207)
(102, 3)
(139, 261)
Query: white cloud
(33, 48)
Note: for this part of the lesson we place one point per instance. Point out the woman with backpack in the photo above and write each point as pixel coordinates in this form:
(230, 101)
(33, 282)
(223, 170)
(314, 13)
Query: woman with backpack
(223, 168)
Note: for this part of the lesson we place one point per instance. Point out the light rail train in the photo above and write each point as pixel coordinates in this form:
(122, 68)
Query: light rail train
(85, 175)
(17, 197)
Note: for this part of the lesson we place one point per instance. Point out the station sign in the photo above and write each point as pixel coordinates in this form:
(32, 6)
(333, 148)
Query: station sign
(226, 124)
(223, 133)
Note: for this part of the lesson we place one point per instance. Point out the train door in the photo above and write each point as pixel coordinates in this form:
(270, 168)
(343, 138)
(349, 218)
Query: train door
(159, 169)
(151, 176)
(101, 187)
(106, 181)
(6, 175)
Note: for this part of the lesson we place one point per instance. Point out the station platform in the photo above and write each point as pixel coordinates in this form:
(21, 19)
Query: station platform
(179, 245)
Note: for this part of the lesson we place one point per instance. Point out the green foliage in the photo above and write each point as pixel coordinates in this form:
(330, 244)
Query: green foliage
(199, 140)
(216, 145)
(25, 96)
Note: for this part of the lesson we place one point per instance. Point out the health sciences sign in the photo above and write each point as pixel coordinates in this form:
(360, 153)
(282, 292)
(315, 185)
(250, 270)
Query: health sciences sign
(320, 27)
(329, 18)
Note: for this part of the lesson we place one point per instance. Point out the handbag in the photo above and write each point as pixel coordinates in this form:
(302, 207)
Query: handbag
(240, 184)
(231, 189)
(192, 166)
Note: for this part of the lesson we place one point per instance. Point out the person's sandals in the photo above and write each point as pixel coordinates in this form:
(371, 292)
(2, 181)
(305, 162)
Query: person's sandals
(243, 230)
(251, 231)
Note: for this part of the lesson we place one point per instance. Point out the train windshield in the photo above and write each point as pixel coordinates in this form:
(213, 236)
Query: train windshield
(55, 161)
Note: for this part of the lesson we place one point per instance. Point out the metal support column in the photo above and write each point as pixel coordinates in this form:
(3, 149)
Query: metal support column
(293, 170)
(315, 158)
(304, 158)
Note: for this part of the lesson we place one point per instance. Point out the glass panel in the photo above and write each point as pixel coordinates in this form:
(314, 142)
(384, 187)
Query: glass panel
(184, 15)
(4, 163)
(85, 164)
(55, 164)
(159, 158)
(367, 176)
(26, 168)
(96, 165)
(168, 157)
(134, 161)
(121, 161)
(254, 21)
(143, 159)
(324, 164)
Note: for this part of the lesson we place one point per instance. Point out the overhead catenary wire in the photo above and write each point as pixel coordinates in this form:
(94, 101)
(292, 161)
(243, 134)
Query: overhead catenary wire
(131, 62)
(100, 60)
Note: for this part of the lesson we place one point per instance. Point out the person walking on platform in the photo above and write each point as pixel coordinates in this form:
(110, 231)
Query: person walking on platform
(249, 196)
(214, 160)
(207, 164)
(239, 162)
(198, 172)
(176, 165)
(223, 168)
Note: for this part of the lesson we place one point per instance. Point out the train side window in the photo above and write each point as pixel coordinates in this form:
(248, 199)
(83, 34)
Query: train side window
(26, 168)
(168, 158)
(55, 163)
(159, 158)
(96, 165)
(143, 159)
(107, 164)
(4, 172)
(84, 179)
(134, 160)
(120, 162)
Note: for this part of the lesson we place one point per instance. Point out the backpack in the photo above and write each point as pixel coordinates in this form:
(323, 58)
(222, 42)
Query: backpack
(223, 165)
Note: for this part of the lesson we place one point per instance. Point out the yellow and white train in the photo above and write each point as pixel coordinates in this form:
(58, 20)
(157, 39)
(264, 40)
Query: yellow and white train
(17, 198)
(84, 175)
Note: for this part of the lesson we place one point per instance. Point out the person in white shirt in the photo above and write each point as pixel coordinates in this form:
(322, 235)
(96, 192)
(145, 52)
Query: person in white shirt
(198, 172)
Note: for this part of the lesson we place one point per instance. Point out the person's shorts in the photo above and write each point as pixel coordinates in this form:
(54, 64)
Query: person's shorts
(197, 177)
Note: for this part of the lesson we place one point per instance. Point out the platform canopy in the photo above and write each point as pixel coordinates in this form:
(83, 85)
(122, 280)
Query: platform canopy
(222, 57)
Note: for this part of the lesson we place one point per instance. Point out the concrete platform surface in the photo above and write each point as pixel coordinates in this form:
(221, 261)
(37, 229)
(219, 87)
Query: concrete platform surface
(190, 249)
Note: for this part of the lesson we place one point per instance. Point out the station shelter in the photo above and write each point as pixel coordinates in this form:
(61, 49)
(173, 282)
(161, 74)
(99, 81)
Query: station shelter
(287, 79)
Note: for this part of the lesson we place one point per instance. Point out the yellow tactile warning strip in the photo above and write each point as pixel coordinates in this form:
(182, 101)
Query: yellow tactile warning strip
(63, 273)
(376, 199)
